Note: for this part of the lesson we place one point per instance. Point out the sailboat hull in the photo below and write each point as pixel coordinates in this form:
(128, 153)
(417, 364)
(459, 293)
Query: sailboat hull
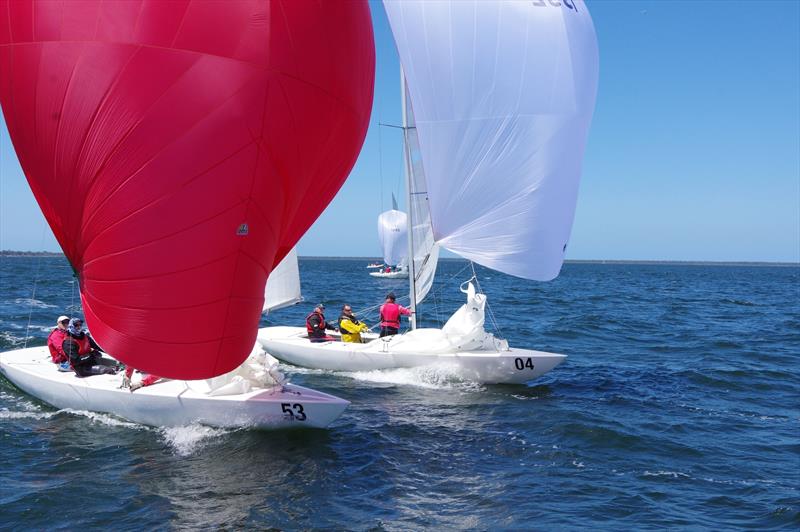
(401, 274)
(169, 403)
(515, 366)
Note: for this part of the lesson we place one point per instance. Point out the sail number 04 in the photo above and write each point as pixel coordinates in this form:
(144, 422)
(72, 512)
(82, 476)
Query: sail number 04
(523, 363)
(293, 412)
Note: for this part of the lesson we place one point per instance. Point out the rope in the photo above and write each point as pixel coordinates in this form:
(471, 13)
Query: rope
(33, 295)
(488, 306)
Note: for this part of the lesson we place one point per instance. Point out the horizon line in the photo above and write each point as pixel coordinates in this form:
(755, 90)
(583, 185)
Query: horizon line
(684, 262)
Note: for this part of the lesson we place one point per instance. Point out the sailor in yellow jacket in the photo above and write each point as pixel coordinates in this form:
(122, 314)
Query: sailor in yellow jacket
(350, 327)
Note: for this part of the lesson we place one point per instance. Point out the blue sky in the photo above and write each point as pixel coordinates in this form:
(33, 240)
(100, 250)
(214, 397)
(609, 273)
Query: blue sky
(694, 151)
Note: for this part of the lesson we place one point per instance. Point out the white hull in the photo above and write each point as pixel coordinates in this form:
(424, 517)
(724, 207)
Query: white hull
(374, 266)
(514, 366)
(400, 274)
(169, 403)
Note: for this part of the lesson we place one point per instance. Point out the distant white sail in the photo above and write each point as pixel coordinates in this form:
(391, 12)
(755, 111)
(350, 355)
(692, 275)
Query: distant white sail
(392, 233)
(283, 285)
(503, 94)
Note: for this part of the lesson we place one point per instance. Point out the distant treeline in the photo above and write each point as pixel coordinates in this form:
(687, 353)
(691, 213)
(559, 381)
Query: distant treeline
(12, 253)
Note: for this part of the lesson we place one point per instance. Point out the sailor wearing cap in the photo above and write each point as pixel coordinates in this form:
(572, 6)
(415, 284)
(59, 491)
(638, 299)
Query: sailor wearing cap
(316, 325)
(390, 316)
(56, 338)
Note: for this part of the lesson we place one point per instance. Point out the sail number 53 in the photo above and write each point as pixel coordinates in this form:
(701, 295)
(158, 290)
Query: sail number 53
(293, 412)
(523, 363)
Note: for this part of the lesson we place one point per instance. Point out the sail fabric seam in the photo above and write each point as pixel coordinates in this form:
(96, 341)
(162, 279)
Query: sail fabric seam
(479, 220)
(255, 66)
(164, 237)
(164, 148)
(142, 338)
(180, 25)
(297, 153)
(132, 307)
(165, 274)
(100, 107)
(248, 202)
(71, 186)
(167, 197)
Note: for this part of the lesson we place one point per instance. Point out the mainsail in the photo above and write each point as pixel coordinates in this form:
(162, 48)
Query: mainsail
(422, 243)
(503, 94)
(172, 147)
(283, 285)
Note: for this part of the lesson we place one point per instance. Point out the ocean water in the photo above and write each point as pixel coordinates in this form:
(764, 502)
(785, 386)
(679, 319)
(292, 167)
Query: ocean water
(679, 406)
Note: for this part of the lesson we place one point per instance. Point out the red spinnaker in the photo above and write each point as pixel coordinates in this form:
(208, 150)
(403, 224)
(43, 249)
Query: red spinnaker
(179, 150)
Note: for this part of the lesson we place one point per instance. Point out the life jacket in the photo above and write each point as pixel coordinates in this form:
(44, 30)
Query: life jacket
(311, 329)
(390, 315)
(84, 347)
(352, 319)
(54, 344)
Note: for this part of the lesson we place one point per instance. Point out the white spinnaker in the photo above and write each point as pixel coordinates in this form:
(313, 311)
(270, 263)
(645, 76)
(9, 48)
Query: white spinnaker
(426, 251)
(283, 285)
(392, 233)
(503, 95)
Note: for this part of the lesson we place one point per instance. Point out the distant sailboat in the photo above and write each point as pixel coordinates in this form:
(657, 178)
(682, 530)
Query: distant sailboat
(171, 147)
(503, 94)
(393, 236)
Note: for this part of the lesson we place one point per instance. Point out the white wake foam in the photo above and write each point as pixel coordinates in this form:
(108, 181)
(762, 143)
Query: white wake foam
(441, 377)
(25, 414)
(104, 419)
(188, 439)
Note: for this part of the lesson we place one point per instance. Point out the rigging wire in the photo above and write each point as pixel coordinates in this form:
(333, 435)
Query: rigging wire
(488, 306)
(33, 294)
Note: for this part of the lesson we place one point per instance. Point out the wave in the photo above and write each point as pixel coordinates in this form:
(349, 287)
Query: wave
(10, 340)
(25, 414)
(103, 419)
(187, 439)
(28, 302)
(439, 377)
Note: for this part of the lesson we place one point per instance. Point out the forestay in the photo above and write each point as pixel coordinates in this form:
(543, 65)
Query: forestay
(503, 93)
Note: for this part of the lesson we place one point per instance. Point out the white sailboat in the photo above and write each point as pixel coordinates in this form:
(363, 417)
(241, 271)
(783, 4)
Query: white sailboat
(172, 165)
(502, 103)
(255, 395)
(393, 235)
(249, 397)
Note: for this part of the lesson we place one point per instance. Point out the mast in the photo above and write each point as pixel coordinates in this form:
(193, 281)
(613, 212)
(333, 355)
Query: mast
(412, 274)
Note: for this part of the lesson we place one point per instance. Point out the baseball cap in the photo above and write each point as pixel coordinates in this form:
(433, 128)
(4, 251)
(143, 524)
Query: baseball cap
(62, 318)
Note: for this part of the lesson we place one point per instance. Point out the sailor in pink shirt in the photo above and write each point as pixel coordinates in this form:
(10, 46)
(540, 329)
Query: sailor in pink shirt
(390, 315)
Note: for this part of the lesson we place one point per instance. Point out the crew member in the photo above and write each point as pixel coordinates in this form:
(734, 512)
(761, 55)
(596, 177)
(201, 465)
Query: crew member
(316, 325)
(85, 356)
(350, 327)
(390, 316)
(56, 338)
(147, 380)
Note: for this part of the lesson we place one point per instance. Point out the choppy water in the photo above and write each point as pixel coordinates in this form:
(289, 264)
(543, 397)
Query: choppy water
(679, 406)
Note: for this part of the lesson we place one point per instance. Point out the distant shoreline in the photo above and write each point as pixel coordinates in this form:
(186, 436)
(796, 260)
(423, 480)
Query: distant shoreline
(12, 253)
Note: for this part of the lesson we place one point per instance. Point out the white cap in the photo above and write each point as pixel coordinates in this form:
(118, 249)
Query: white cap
(62, 318)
